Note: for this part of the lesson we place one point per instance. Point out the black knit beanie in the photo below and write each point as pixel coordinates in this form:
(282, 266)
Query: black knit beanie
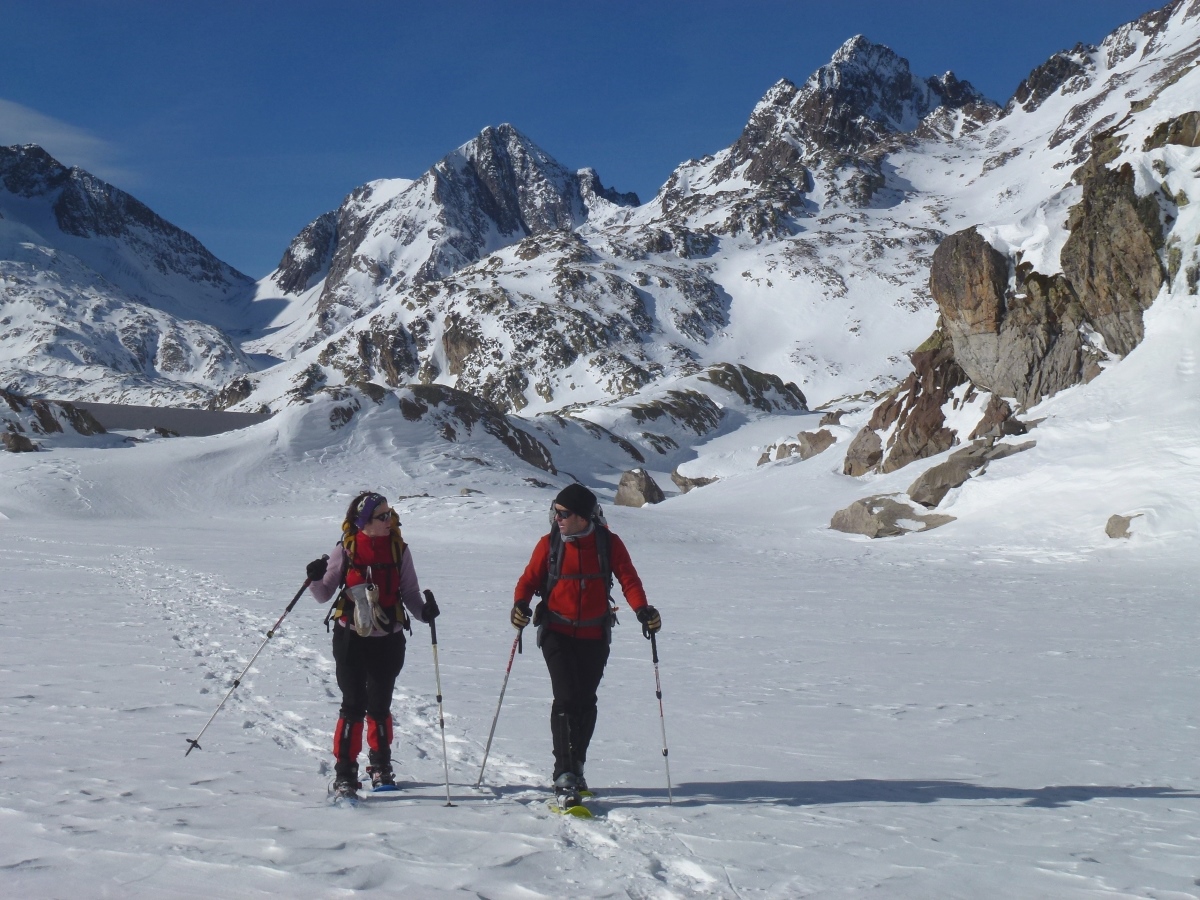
(577, 499)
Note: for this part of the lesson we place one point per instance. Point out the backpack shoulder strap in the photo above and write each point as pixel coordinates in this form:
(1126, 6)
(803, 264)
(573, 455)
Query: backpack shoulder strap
(554, 567)
(603, 539)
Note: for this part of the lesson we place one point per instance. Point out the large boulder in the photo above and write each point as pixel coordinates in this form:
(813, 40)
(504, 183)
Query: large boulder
(864, 453)
(637, 488)
(1118, 525)
(813, 442)
(882, 516)
(17, 443)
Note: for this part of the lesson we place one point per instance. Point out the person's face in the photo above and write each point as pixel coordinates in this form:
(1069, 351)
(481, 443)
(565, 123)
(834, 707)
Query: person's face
(569, 522)
(381, 522)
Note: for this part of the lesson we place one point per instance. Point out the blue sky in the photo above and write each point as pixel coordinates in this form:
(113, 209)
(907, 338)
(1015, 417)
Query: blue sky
(243, 121)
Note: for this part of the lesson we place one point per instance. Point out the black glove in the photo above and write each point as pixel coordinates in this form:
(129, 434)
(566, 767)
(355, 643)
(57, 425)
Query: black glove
(650, 619)
(317, 568)
(520, 615)
(431, 611)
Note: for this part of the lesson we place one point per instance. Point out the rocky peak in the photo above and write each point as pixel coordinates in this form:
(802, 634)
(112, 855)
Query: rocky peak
(496, 190)
(864, 95)
(119, 237)
(1072, 68)
(29, 171)
(517, 185)
(1145, 33)
(867, 90)
(309, 254)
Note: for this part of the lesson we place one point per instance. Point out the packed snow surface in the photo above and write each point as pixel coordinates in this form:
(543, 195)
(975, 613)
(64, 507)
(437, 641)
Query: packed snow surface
(1004, 707)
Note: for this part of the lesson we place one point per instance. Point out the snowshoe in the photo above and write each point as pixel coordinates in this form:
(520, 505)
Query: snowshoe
(344, 792)
(382, 777)
(567, 799)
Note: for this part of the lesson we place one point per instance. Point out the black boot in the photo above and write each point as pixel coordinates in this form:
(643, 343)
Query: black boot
(345, 781)
(582, 728)
(380, 770)
(560, 732)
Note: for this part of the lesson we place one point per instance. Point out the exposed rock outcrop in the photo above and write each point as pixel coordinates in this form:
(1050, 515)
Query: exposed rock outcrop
(637, 488)
(1031, 342)
(686, 484)
(882, 516)
(17, 443)
(1182, 130)
(1118, 526)
(44, 416)
(1111, 257)
(932, 486)
(864, 453)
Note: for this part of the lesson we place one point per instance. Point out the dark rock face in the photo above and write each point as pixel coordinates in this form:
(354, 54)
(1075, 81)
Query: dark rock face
(45, 417)
(307, 258)
(916, 410)
(1111, 257)
(1024, 344)
(843, 118)
(1027, 343)
(1051, 75)
(759, 389)
(1183, 131)
(84, 206)
(493, 191)
(453, 409)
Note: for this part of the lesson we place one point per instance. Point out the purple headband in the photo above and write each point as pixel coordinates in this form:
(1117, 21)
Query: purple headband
(366, 509)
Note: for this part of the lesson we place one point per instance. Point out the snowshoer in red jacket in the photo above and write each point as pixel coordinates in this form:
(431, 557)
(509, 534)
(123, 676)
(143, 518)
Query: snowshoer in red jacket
(572, 569)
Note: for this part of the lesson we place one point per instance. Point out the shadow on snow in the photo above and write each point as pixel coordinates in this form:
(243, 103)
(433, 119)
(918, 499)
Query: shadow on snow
(866, 790)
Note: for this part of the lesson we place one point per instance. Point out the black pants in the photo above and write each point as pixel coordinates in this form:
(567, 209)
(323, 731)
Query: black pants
(576, 666)
(366, 672)
(367, 669)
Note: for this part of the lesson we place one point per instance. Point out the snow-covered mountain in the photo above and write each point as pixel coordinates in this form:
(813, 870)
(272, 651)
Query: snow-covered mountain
(799, 257)
(102, 299)
(538, 289)
(392, 236)
(1075, 220)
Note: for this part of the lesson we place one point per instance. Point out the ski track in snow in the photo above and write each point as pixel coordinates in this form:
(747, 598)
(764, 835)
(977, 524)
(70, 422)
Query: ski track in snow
(211, 637)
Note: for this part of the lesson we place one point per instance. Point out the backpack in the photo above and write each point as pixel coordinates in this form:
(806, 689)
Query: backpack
(344, 603)
(543, 613)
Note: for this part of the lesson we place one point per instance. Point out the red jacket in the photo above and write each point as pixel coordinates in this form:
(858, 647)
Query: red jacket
(581, 599)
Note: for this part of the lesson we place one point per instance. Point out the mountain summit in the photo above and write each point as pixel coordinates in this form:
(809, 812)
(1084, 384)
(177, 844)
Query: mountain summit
(396, 235)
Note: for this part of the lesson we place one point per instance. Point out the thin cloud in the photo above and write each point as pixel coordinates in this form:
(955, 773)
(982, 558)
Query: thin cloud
(70, 145)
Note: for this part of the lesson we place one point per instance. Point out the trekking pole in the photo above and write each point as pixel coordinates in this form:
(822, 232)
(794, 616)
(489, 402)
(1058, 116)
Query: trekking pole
(441, 716)
(496, 718)
(194, 743)
(661, 719)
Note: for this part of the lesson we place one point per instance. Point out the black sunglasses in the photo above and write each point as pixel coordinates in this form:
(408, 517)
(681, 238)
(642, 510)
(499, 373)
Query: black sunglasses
(382, 517)
(561, 514)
